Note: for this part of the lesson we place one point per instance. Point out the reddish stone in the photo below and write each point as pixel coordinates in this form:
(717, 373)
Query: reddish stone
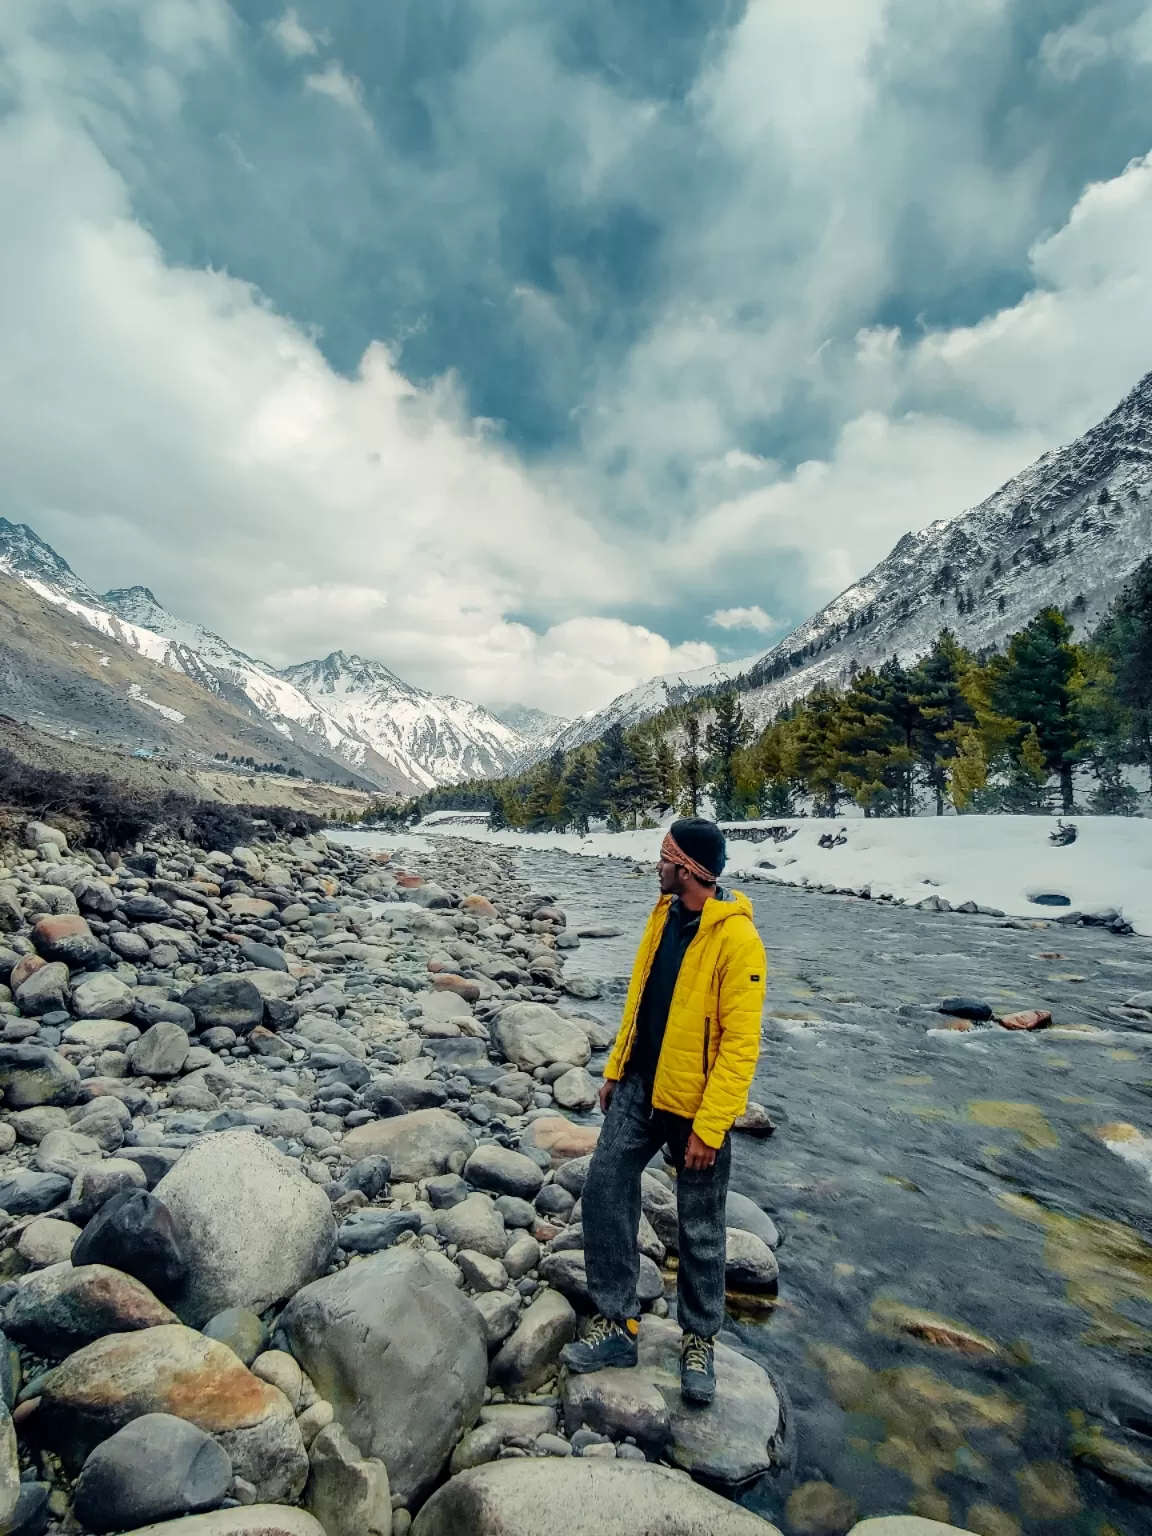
(1031, 1018)
(24, 967)
(448, 982)
(544, 1231)
(560, 1138)
(960, 1025)
(478, 906)
(435, 965)
(409, 882)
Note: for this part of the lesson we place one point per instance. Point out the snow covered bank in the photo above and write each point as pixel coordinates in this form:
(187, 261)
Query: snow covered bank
(995, 861)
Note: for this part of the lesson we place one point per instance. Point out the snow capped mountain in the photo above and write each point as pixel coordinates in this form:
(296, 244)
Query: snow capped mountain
(434, 740)
(535, 726)
(1067, 533)
(646, 700)
(344, 710)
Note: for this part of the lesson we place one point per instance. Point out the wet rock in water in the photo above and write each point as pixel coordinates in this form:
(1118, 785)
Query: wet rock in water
(575, 1496)
(819, 1509)
(749, 1262)
(418, 1145)
(503, 1172)
(565, 1271)
(575, 1089)
(533, 1035)
(242, 1331)
(599, 931)
(253, 1228)
(61, 1309)
(755, 1121)
(225, 1002)
(581, 986)
(136, 1233)
(1031, 1018)
(400, 1354)
(252, 1520)
(348, 1494)
(748, 1217)
(173, 1369)
(560, 1138)
(730, 1442)
(906, 1525)
(31, 1075)
(156, 1468)
(966, 1008)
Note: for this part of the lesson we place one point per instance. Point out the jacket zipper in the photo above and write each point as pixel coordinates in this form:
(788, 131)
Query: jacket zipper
(707, 1040)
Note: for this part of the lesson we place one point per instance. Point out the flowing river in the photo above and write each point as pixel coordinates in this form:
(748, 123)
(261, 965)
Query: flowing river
(997, 1181)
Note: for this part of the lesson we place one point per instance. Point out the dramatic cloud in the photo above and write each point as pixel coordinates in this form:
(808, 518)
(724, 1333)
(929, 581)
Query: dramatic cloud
(523, 353)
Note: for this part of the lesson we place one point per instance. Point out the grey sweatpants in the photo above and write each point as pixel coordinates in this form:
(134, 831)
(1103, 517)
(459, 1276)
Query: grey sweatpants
(633, 1132)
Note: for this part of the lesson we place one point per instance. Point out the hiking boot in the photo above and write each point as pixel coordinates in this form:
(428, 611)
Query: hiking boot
(697, 1369)
(605, 1344)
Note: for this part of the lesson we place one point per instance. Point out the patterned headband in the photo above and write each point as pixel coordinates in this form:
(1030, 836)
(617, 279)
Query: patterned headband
(671, 850)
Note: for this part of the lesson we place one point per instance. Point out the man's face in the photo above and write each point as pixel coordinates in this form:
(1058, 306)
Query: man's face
(671, 877)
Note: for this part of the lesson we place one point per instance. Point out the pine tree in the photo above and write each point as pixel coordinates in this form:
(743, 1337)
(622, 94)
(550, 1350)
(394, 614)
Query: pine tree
(727, 732)
(667, 776)
(691, 767)
(613, 770)
(941, 711)
(1126, 639)
(810, 751)
(1035, 684)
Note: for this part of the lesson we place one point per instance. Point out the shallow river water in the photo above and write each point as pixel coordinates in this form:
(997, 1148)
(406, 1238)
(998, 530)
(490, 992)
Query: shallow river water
(999, 1181)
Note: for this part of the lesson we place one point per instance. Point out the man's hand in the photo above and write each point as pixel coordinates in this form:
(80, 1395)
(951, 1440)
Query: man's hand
(607, 1089)
(698, 1155)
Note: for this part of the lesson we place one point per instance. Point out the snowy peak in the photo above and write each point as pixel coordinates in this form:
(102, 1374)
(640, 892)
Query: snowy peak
(339, 673)
(24, 554)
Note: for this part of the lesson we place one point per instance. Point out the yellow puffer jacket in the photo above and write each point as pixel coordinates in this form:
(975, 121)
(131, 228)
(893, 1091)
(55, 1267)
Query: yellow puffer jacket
(712, 1038)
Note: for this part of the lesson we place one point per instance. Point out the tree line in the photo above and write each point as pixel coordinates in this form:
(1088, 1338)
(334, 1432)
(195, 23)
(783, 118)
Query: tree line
(1011, 730)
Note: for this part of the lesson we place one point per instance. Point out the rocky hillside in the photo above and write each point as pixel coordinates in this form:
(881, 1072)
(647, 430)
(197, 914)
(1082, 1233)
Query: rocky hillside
(339, 717)
(288, 1192)
(1068, 531)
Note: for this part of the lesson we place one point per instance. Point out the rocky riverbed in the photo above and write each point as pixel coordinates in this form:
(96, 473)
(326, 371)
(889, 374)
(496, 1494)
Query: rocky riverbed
(293, 1141)
(964, 1317)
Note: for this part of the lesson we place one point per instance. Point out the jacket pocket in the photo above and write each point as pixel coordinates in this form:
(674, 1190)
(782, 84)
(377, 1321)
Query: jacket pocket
(707, 1043)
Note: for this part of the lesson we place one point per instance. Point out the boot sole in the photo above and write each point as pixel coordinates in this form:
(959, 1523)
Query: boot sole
(625, 1361)
(699, 1399)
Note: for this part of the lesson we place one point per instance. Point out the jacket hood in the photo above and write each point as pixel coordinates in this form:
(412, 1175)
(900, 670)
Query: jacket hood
(719, 908)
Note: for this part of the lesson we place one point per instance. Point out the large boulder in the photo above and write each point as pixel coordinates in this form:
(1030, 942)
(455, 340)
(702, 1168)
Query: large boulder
(9, 1467)
(418, 1145)
(246, 1520)
(156, 1468)
(60, 1309)
(565, 1271)
(46, 989)
(225, 1002)
(400, 1354)
(253, 1227)
(732, 1443)
(160, 1051)
(31, 1075)
(533, 1035)
(562, 1139)
(581, 1497)
(175, 1370)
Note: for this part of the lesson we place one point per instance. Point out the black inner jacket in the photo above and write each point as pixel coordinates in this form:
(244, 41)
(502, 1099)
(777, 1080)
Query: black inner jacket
(680, 929)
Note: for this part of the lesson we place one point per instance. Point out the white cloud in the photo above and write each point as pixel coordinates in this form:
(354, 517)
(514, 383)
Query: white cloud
(1105, 32)
(744, 618)
(292, 36)
(342, 88)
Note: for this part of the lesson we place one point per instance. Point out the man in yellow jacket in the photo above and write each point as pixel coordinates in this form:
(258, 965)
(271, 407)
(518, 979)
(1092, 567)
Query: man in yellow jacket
(678, 1076)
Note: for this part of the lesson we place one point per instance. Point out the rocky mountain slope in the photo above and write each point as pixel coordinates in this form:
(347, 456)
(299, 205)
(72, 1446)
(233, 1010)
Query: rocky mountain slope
(429, 739)
(1068, 532)
(351, 719)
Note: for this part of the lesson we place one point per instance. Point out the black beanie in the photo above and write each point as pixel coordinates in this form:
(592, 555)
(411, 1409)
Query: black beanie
(701, 840)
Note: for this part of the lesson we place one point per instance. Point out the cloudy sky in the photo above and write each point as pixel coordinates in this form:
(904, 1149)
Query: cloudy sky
(535, 349)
